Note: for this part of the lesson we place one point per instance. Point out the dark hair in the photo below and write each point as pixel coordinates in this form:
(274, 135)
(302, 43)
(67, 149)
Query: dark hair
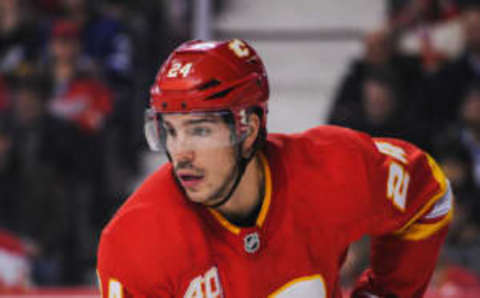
(450, 148)
(453, 150)
(467, 5)
(386, 79)
(36, 84)
(262, 134)
(474, 86)
(382, 76)
(5, 126)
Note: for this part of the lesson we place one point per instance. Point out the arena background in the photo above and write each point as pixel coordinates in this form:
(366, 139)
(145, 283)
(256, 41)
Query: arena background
(308, 47)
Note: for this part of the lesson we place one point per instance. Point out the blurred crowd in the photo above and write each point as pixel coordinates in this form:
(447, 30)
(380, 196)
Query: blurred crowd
(74, 82)
(419, 79)
(74, 78)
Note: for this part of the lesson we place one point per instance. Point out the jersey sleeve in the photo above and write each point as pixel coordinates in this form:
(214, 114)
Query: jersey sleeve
(410, 206)
(408, 191)
(147, 252)
(117, 278)
(132, 261)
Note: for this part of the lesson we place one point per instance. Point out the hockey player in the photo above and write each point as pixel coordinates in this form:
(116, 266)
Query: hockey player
(241, 213)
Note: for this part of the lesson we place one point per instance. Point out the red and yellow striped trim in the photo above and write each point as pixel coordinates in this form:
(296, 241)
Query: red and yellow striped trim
(265, 205)
(413, 231)
(417, 232)
(224, 222)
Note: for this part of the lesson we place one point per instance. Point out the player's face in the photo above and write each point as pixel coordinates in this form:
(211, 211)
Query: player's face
(202, 153)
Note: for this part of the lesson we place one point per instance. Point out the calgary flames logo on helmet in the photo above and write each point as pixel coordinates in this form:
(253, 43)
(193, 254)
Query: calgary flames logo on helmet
(196, 75)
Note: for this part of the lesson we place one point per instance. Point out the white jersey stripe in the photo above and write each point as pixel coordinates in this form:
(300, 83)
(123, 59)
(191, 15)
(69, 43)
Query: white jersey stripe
(443, 205)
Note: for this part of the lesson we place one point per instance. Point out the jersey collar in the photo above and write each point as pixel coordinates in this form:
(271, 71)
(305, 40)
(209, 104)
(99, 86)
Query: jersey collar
(265, 204)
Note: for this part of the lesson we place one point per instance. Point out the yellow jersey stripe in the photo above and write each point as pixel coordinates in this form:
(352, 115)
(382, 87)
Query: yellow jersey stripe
(421, 231)
(224, 222)
(442, 181)
(296, 281)
(268, 191)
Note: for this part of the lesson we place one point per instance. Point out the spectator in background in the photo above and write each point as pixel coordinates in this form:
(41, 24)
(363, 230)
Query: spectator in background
(470, 127)
(14, 264)
(45, 164)
(380, 56)
(374, 111)
(46, 9)
(8, 175)
(78, 96)
(429, 28)
(458, 150)
(20, 40)
(4, 95)
(83, 100)
(407, 13)
(104, 38)
(466, 130)
(31, 119)
(463, 242)
(379, 112)
(448, 87)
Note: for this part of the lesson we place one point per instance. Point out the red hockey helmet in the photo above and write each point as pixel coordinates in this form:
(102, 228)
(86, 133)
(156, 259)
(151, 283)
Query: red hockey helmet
(210, 76)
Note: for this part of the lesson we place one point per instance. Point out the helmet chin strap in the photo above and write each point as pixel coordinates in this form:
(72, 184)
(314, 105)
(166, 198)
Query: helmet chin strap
(242, 166)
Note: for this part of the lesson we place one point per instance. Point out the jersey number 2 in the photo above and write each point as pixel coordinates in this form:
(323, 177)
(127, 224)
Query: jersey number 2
(397, 185)
(398, 177)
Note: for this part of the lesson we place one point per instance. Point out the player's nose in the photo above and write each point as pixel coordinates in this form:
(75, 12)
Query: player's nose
(180, 146)
(184, 156)
(182, 153)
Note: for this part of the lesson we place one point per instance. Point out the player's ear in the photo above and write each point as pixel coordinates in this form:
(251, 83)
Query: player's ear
(252, 133)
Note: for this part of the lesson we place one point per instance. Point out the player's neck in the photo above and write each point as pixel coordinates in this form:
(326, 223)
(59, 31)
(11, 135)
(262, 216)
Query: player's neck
(245, 201)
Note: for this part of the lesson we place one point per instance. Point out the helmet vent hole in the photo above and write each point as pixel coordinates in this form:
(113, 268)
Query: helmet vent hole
(220, 94)
(209, 84)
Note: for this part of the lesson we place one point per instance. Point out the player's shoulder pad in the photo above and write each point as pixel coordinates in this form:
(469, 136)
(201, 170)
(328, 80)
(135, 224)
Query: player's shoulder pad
(155, 228)
(334, 134)
(324, 139)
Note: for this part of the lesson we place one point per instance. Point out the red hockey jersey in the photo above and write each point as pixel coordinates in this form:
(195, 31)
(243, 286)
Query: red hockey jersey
(325, 188)
(85, 102)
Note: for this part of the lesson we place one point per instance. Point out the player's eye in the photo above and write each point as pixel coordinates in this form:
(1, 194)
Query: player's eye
(200, 131)
(169, 131)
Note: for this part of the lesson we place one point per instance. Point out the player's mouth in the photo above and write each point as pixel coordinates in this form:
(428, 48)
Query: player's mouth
(189, 180)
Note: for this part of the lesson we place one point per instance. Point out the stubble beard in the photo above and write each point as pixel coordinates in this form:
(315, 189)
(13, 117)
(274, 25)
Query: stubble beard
(223, 190)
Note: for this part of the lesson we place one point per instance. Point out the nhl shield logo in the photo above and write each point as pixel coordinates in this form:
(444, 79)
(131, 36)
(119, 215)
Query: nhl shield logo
(252, 242)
